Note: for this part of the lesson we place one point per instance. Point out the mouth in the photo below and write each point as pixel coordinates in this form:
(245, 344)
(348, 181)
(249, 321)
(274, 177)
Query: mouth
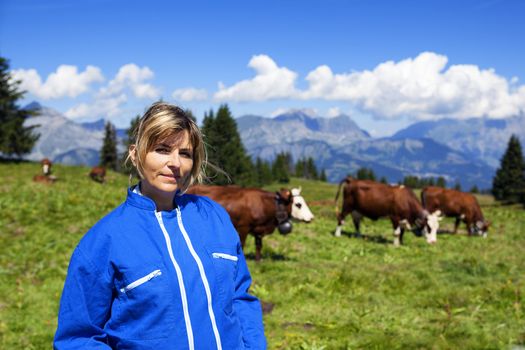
(170, 178)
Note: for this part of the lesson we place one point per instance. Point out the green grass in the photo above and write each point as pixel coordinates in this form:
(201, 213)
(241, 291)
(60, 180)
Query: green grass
(327, 292)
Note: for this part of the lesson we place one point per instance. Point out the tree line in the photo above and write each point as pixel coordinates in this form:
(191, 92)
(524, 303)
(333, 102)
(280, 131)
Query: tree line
(226, 151)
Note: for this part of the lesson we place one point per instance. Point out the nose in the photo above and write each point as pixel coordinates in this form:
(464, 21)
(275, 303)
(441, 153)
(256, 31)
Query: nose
(174, 160)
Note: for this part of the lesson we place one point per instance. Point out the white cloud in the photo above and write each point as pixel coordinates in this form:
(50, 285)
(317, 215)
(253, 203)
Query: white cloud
(421, 88)
(107, 102)
(270, 82)
(279, 111)
(311, 112)
(67, 81)
(132, 77)
(333, 112)
(190, 94)
(103, 107)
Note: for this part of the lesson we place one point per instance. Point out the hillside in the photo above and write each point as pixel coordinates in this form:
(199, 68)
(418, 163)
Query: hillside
(340, 147)
(322, 292)
(478, 138)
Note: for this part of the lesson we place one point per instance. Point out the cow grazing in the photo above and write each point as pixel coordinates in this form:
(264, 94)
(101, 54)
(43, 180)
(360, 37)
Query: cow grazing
(375, 200)
(98, 174)
(456, 204)
(44, 179)
(256, 211)
(46, 166)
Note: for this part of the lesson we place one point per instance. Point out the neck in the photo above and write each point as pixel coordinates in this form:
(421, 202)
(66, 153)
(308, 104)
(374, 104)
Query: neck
(164, 201)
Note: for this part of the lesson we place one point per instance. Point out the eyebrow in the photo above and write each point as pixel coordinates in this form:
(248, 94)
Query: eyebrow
(167, 145)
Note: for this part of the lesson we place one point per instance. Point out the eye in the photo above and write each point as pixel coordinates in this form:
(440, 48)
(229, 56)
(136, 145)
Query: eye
(186, 153)
(298, 205)
(162, 150)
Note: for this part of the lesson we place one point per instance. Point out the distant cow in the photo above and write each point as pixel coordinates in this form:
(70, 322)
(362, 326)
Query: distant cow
(44, 179)
(457, 204)
(98, 174)
(256, 211)
(375, 200)
(46, 166)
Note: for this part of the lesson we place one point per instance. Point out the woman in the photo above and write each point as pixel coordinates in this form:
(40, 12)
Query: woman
(164, 270)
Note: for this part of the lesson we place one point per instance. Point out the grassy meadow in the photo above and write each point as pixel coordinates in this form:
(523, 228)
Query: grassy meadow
(322, 292)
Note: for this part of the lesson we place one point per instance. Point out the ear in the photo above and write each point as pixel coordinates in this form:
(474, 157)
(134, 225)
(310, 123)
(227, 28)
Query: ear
(286, 194)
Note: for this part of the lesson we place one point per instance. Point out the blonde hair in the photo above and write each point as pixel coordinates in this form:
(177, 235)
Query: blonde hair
(160, 121)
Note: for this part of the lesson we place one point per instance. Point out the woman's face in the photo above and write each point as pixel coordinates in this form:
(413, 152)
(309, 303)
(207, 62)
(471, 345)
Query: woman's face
(166, 167)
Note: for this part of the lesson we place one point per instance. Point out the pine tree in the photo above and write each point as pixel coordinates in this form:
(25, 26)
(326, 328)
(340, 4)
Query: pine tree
(383, 180)
(300, 169)
(311, 169)
(509, 182)
(15, 139)
(323, 177)
(225, 149)
(411, 181)
(263, 172)
(108, 152)
(441, 182)
(365, 174)
(281, 167)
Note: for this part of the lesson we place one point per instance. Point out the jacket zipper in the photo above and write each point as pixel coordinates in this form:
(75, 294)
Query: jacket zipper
(140, 281)
(225, 256)
(203, 277)
(182, 289)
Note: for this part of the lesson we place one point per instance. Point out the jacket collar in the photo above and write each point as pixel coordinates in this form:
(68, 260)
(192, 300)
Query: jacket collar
(136, 199)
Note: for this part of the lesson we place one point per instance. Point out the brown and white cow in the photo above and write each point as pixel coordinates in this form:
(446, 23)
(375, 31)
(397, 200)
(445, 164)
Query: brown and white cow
(98, 174)
(374, 200)
(456, 204)
(256, 211)
(44, 179)
(46, 166)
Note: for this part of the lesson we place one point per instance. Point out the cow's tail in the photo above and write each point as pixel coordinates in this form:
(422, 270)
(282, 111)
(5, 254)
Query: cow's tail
(345, 181)
(424, 198)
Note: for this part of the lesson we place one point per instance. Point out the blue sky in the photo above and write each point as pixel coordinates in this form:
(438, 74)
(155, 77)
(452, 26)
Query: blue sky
(384, 63)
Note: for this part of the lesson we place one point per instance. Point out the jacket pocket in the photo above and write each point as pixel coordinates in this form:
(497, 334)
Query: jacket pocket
(225, 267)
(146, 307)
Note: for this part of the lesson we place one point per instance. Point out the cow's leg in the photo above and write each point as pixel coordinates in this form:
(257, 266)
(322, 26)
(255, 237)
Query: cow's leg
(242, 236)
(470, 228)
(397, 232)
(456, 224)
(356, 218)
(401, 236)
(258, 247)
(340, 221)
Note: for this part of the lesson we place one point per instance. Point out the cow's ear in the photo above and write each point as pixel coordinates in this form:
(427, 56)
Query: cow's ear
(286, 194)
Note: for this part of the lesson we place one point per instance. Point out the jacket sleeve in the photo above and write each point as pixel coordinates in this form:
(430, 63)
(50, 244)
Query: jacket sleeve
(84, 307)
(248, 307)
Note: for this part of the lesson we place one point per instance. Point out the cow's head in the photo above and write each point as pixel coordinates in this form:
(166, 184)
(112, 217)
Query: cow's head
(480, 228)
(300, 210)
(428, 226)
(46, 166)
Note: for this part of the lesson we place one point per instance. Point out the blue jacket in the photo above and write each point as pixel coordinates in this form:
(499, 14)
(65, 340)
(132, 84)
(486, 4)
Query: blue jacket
(142, 279)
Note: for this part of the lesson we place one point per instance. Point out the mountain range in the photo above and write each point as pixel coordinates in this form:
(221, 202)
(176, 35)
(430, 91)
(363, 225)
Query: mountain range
(463, 151)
